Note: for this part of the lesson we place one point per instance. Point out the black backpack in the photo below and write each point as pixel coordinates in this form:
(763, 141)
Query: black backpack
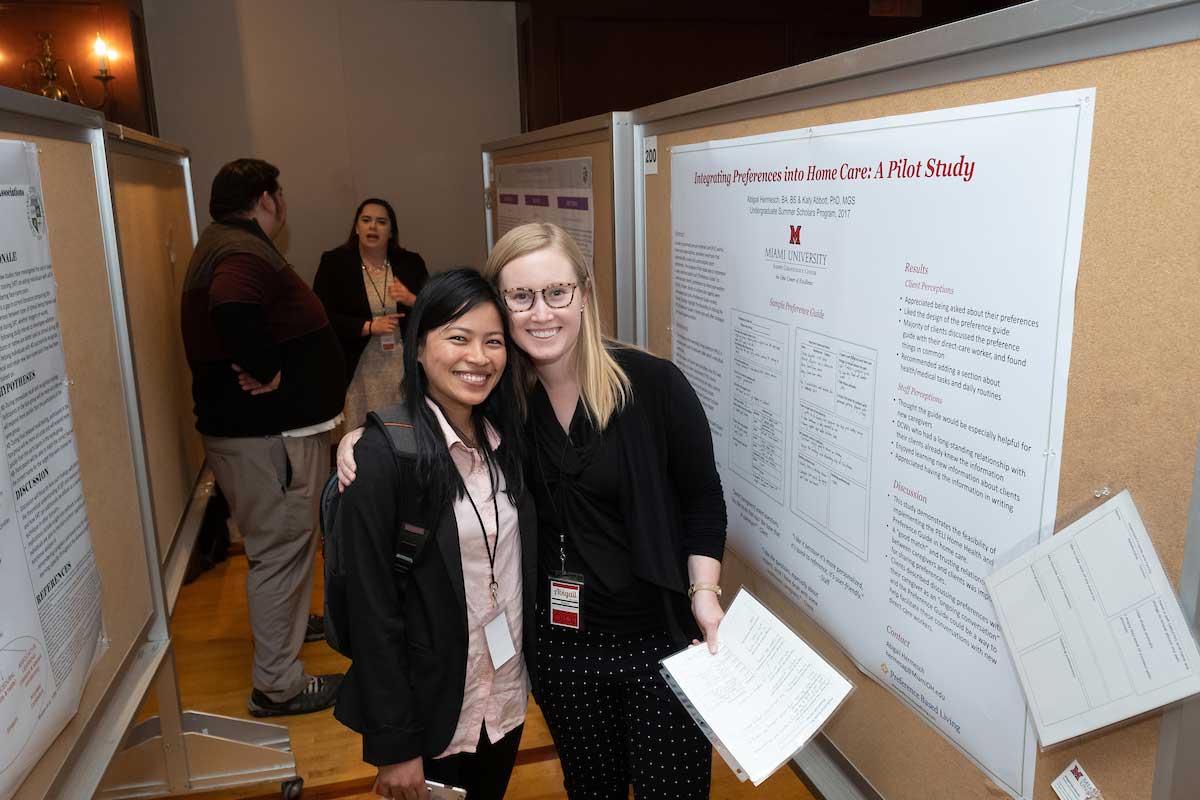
(396, 423)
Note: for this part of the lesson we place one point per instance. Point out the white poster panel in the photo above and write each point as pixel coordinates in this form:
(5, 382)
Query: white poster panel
(548, 191)
(50, 628)
(877, 316)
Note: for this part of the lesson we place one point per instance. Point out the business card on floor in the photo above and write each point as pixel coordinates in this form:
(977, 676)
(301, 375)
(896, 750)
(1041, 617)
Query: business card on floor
(1074, 784)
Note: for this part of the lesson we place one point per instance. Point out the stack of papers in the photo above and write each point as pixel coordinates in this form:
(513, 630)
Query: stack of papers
(763, 696)
(1093, 625)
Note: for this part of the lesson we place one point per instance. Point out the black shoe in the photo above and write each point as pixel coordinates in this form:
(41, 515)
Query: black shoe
(319, 693)
(315, 632)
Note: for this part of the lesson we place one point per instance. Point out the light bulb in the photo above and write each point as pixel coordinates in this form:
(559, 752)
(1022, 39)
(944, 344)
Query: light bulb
(101, 50)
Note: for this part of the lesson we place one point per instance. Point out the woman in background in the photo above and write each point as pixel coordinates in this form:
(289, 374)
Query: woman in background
(367, 286)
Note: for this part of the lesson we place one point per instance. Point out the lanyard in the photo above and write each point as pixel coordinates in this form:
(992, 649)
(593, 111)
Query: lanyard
(387, 270)
(562, 488)
(491, 553)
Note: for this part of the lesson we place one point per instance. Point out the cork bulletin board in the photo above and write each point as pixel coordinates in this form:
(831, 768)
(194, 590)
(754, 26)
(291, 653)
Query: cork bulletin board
(74, 221)
(1133, 407)
(154, 230)
(597, 146)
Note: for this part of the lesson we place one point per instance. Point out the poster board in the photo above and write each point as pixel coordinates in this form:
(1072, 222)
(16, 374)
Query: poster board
(152, 202)
(558, 191)
(91, 313)
(1132, 408)
(602, 140)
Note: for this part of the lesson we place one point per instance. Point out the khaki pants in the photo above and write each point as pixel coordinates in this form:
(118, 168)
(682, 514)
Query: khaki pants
(273, 485)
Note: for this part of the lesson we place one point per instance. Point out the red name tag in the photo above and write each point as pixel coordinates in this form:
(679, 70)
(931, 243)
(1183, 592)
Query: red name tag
(569, 619)
(564, 603)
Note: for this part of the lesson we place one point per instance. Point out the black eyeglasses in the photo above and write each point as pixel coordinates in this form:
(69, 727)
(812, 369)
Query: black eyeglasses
(556, 295)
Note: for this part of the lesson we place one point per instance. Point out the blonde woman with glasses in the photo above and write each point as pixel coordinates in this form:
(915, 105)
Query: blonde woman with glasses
(631, 527)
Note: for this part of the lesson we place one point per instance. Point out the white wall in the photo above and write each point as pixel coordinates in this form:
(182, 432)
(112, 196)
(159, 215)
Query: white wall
(350, 99)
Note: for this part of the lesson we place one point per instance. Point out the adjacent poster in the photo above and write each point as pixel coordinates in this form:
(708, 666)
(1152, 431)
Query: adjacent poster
(877, 316)
(50, 628)
(548, 191)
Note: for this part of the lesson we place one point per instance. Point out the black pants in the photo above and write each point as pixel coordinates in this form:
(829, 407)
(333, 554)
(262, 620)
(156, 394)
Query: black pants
(484, 773)
(613, 719)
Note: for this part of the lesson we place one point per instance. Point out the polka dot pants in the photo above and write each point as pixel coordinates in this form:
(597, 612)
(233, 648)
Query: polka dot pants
(613, 719)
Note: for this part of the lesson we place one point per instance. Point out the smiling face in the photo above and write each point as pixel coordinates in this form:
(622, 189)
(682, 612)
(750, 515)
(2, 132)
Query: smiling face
(373, 227)
(463, 361)
(548, 335)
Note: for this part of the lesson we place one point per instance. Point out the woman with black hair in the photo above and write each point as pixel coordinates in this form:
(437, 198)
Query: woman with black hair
(439, 682)
(367, 285)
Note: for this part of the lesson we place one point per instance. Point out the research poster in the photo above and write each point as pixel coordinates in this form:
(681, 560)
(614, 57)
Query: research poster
(50, 628)
(548, 191)
(877, 317)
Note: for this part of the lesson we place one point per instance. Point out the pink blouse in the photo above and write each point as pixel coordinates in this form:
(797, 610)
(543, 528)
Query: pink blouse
(493, 699)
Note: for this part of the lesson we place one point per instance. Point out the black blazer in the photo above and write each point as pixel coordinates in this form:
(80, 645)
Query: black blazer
(339, 284)
(404, 690)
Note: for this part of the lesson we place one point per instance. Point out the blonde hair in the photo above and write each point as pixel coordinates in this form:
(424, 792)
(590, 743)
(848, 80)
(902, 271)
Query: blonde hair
(603, 385)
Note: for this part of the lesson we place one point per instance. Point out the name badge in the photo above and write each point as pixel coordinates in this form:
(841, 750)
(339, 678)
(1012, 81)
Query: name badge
(388, 342)
(499, 639)
(566, 600)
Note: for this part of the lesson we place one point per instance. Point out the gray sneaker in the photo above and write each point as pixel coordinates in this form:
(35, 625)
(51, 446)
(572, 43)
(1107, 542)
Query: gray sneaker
(319, 693)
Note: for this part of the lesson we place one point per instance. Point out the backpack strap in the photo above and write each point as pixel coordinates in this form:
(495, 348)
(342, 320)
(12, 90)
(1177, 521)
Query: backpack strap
(410, 537)
(397, 424)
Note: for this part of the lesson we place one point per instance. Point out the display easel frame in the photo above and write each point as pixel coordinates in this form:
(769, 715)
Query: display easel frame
(1177, 772)
(27, 114)
(178, 550)
(1038, 34)
(617, 131)
(186, 751)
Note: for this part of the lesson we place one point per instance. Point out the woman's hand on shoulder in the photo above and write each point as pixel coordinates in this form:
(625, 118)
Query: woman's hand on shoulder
(346, 468)
(403, 781)
(707, 611)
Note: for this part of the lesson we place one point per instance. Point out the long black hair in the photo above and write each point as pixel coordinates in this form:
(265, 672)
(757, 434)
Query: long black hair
(445, 298)
(393, 242)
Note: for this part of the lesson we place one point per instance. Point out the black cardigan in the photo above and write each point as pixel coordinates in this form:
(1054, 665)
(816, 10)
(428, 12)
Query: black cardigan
(671, 493)
(339, 284)
(404, 690)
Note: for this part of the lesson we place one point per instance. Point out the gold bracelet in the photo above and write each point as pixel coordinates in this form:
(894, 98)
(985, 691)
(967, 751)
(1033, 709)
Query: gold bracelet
(702, 587)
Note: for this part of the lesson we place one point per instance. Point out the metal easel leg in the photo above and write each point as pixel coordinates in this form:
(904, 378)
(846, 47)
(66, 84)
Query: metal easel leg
(180, 752)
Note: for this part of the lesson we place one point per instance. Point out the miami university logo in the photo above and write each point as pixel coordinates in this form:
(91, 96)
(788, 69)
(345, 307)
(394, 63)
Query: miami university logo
(795, 234)
(35, 213)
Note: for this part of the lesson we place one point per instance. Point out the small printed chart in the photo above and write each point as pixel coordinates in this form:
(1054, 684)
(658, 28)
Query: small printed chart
(758, 391)
(831, 469)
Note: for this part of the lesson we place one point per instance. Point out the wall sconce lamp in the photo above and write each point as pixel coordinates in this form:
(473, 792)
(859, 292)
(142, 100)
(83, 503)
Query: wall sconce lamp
(46, 66)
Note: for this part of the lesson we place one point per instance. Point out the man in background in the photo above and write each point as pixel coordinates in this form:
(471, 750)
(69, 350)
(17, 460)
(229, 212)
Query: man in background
(268, 382)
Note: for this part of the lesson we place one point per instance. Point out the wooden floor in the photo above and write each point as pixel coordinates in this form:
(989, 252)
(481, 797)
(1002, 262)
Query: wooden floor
(211, 632)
